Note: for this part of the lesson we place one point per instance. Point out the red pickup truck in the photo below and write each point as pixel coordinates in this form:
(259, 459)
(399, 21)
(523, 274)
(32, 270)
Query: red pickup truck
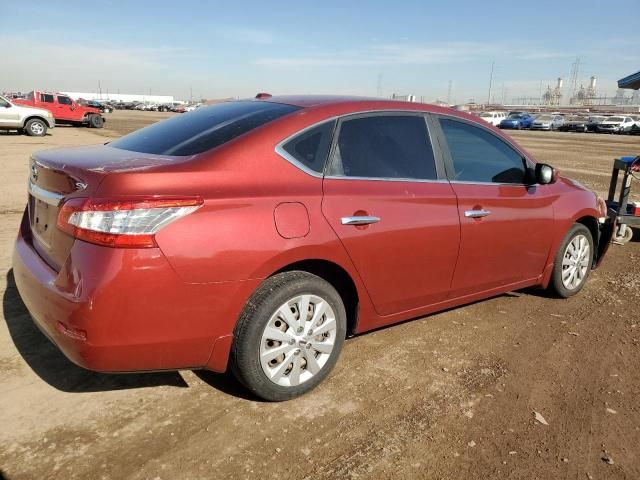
(64, 109)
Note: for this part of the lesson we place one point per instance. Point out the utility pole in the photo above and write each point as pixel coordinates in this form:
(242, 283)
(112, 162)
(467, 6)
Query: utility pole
(190, 94)
(490, 83)
(99, 89)
(449, 93)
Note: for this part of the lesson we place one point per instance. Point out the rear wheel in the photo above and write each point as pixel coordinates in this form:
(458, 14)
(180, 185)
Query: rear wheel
(96, 121)
(573, 262)
(36, 128)
(289, 336)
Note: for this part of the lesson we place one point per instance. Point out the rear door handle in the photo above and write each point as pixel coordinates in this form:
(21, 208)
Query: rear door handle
(476, 213)
(359, 220)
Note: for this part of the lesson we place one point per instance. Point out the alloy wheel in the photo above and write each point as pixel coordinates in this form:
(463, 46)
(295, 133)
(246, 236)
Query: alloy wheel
(37, 128)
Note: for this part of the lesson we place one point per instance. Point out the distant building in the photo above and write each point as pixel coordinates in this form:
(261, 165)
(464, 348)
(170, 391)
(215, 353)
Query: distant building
(117, 97)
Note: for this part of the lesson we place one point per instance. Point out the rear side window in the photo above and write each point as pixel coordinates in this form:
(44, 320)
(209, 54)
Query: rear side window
(64, 100)
(45, 97)
(479, 156)
(311, 147)
(203, 129)
(384, 146)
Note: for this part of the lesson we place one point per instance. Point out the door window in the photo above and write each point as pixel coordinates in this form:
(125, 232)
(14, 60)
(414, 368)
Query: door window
(4, 103)
(311, 147)
(384, 146)
(64, 100)
(46, 97)
(480, 156)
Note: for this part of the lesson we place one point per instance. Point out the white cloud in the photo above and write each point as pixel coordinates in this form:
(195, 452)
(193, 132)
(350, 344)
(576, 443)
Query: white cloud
(246, 35)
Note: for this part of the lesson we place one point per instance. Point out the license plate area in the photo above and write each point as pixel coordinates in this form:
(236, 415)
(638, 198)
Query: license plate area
(43, 221)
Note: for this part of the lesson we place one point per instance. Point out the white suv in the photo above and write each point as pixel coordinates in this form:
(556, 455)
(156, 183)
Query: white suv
(32, 121)
(494, 118)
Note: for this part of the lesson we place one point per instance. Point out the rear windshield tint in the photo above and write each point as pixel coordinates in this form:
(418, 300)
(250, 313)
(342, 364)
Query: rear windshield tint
(203, 129)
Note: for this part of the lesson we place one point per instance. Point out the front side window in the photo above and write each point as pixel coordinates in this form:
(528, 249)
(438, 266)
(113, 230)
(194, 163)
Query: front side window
(46, 97)
(64, 100)
(203, 129)
(311, 147)
(384, 146)
(4, 103)
(480, 156)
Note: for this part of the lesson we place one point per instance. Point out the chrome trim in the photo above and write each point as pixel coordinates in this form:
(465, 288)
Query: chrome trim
(476, 213)
(386, 179)
(359, 220)
(499, 184)
(46, 196)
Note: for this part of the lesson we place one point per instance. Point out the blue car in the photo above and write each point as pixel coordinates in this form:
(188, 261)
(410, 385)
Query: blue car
(517, 121)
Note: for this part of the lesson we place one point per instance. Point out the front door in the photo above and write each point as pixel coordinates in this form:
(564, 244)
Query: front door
(66, 108)
(9, 116)
(387, 200)
(506, 222)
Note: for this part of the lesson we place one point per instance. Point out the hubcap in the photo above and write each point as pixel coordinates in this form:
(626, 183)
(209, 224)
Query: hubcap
(298, 340)
(575, 262)
(37, 128)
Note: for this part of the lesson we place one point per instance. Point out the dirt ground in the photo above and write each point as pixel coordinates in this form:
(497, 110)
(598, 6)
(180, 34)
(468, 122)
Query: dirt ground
(449, 396)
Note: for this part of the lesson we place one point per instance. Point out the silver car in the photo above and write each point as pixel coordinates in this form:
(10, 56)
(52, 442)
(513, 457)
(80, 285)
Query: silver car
(547, 122)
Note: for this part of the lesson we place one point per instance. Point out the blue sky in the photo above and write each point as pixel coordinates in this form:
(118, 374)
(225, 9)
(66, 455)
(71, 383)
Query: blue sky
(222, 49)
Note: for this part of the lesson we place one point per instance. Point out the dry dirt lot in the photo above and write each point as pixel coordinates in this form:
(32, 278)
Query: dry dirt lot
(450, 396)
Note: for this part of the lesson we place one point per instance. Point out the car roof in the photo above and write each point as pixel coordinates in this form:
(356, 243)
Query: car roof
(306, 101)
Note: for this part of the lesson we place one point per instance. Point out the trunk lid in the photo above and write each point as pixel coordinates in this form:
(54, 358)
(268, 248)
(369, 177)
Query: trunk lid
(58, 175)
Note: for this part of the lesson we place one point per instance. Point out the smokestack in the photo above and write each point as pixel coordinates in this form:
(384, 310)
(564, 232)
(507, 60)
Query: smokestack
(592, 83)
(559, 85)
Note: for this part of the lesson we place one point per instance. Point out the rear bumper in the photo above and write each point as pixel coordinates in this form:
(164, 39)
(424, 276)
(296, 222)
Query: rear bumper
(121, 310)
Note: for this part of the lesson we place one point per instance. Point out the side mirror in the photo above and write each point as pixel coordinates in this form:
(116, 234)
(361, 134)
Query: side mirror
(6, 105)
(545, 174)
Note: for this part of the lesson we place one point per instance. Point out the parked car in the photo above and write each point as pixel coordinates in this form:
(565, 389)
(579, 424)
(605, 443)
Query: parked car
(64, 109)
(32, 121)
(547, 122)
(594, 120)
(618, 124)
(102, 106)
(494, 118)
(635, 129)
(517, 121)
(258, 234)
(575, 123)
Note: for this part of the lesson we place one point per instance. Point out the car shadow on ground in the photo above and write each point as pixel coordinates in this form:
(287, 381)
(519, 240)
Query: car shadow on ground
(53, 367)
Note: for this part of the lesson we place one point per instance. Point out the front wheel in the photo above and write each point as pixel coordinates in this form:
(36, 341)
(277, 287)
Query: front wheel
(35, 128)
(96, 121)
(289, 336)
(573, 262)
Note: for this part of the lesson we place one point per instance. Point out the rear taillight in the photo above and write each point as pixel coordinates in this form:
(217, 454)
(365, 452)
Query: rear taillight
(122, 223)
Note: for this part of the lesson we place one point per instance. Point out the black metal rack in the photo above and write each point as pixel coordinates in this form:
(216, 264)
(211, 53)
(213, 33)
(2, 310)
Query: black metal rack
(618, 209)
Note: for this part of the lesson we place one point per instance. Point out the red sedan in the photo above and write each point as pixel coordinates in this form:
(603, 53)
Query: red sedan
(259, 234)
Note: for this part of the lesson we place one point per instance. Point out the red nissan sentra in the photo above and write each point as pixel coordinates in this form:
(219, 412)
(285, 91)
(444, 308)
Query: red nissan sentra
(258, 234)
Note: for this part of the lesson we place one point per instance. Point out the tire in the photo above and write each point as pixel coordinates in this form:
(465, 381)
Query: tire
(96, 121)
(624, 238)
(35, 128)
(273, 310)
(566, 259)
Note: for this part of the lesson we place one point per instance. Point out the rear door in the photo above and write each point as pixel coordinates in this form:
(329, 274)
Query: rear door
(506, 222)
(388, 200)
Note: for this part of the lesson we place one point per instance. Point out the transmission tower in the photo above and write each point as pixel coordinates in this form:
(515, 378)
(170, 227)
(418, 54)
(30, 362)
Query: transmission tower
(573, 82)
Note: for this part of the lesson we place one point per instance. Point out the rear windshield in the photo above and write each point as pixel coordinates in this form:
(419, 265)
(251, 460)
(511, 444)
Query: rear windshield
(203, 129)
(615, 119)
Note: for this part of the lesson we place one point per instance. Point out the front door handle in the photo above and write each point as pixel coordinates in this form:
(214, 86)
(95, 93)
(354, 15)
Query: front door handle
(359, 220)
(476, 213)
